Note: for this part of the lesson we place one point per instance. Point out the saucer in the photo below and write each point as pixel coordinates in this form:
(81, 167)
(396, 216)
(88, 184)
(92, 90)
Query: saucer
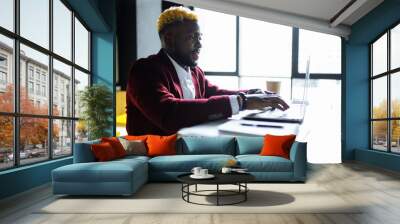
(208, 176)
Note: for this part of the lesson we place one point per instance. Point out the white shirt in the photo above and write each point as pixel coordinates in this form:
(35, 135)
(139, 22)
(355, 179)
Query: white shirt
(185, 79)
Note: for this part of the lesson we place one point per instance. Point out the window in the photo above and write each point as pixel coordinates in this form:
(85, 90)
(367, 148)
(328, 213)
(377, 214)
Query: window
(385, 94)
(54, 125)
(270, 55)
(324, 51)
(219, 45)
(30, 72)
(3, 78)
(30, 87)
(3, 61)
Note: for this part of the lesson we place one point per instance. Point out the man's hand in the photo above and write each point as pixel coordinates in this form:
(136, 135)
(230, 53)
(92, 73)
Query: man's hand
(260, 101)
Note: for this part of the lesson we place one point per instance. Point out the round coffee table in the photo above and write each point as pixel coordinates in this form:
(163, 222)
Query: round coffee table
(238, 179)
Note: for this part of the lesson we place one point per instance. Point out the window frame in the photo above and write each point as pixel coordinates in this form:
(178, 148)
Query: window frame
(16, 114)
(388, 74)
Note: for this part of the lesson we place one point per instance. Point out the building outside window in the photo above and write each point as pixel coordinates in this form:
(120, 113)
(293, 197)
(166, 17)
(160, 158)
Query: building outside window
(33, 100)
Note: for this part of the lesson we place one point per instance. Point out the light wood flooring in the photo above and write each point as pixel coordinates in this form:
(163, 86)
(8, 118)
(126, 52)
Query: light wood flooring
(377, 188)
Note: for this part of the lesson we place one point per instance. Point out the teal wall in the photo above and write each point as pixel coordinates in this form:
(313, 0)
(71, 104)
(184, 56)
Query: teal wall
(357, 83)
(100, 16)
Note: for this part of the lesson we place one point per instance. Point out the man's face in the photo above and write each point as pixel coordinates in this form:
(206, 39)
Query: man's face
(186, 43)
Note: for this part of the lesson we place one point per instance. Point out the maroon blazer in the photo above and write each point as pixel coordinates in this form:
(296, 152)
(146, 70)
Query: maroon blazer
(155, 103)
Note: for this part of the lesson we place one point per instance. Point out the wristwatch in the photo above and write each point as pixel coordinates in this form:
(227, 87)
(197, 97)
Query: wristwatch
(244, 100)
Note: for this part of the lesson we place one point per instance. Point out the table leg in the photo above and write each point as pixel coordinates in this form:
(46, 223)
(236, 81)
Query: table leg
(217, 194)
(196, 188)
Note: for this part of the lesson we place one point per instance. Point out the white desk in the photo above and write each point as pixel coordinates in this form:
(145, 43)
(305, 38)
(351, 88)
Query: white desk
(234, 126)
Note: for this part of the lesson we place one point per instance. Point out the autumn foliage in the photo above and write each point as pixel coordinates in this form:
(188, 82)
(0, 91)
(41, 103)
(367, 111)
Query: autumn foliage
(33, 131)
(380, 127)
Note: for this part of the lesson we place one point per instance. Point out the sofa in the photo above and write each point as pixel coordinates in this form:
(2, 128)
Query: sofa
(126, 175)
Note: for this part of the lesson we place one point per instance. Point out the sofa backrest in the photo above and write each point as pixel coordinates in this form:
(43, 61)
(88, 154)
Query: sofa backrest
(194, 145)
(83, 152)
(249, 145)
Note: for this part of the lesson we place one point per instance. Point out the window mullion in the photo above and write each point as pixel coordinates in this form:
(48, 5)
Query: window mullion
(16, 84)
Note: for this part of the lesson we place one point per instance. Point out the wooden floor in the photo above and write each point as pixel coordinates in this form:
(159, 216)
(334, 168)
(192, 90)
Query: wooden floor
(377, 188)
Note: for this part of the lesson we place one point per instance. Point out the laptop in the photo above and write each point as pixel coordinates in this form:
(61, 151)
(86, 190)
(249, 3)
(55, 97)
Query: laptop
(295, 113)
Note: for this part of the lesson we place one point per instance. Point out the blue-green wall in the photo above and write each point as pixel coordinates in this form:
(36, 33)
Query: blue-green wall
(357, 83)
(99, 15)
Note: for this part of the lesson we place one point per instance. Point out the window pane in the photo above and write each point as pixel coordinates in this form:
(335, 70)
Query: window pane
(81, 131)
(62, 89)
(265, 49)
(62, 29)
(34, 96)
(62, 141)
(35, 21)
(218, 53)
(324, 51)
(395, 136)
(33, 139)
(379, 98)
(81, 81)
(395, 47)
(6, 142)
(7, 14)
(395, 95)
(81, 45)
(379, 135)
(224, 82)
(261, 83)
(379, 55)
(6, 74)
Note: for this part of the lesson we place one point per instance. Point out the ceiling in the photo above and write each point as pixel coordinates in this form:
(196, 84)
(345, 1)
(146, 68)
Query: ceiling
(328, 16)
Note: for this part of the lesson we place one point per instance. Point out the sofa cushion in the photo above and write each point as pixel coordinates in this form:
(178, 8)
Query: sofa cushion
(257, 163)
(103, 152)
(277, 145)
(185, 163)
(111, 171)
(161, 145)
(197, 145)
(249, 145)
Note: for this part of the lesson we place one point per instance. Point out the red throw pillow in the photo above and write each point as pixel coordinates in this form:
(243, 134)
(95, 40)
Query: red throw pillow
(103, 152)
(116, 145)
(161, 145)
(277, 145)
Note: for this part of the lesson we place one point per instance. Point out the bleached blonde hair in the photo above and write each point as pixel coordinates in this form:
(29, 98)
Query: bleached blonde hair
(175, 14)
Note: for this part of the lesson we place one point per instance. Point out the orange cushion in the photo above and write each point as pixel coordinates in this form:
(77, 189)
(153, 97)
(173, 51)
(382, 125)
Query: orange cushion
(136, 137)
(161, 145)
(277, 145)
(116, 145)
(103, 151)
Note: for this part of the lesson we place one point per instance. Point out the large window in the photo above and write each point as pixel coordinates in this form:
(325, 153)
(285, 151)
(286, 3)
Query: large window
(44, 64)
(385, 94)
(274, 57)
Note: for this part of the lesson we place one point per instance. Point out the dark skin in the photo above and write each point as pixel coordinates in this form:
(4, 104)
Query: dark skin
(182, 41)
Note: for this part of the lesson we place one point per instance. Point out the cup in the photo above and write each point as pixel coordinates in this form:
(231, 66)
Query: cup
(203, 172)
(226, 170)
(274, 86)
(196, 171)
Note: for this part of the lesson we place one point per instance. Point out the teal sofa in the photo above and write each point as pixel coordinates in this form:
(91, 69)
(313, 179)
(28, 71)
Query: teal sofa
(125, 176)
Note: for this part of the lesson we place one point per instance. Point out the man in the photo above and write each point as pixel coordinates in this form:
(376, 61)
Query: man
(168, 91)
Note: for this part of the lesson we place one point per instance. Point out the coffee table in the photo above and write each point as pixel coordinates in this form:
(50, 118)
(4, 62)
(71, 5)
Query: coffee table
(238, 179)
